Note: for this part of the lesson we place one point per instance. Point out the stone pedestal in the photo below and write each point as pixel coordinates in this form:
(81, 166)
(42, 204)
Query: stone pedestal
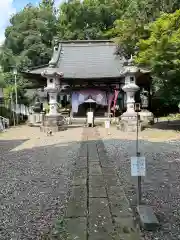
(54, 123)
(128, 123)
(146, 117)
(34, 119)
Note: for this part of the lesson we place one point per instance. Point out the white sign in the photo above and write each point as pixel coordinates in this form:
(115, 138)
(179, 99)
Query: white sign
(107, 124)
(90, 117)
(138, 166)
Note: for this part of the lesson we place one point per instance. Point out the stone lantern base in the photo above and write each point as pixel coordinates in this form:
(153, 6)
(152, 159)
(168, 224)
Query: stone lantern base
(146, 117)
(54, 123)
(128, 122)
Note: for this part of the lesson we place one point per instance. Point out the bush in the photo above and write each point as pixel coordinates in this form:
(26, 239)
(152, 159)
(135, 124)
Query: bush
(8, 113)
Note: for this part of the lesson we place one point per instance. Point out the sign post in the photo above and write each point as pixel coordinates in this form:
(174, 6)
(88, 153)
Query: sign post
(139, 192)
(138, 169)
(107, 126)
(140, 161)
(137, 110)
(147, 217)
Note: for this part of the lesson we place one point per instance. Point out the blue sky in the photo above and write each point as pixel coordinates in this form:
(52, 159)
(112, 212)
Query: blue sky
(8, 7)
(19, 4)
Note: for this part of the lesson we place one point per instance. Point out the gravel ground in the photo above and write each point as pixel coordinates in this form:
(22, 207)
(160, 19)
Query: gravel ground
(161, 187)
(34, 180)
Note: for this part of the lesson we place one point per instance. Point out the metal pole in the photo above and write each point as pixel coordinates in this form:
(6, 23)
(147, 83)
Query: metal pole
(137, 136)
(139, 191)
(15, 83)
(12, 110)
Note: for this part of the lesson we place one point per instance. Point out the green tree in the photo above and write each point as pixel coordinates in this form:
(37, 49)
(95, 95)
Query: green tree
(28, 43)
(2, 80)
(29, 36)
(88, 19)
(160, 52)
(132, 26)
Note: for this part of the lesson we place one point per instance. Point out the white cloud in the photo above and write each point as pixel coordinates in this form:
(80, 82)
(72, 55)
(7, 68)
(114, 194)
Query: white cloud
(6, 10)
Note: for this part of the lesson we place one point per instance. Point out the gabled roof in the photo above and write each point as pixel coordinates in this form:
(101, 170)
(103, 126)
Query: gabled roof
(89, 60)
(85, 59)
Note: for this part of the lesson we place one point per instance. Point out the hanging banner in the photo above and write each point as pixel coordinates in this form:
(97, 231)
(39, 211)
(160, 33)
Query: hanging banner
(115, 99)
(99, 97)
(80, 97)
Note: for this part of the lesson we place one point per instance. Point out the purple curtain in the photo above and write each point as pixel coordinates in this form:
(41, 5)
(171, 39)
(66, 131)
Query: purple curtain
(81, 96)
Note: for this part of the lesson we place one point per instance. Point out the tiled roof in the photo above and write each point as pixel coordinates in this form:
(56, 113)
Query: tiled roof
(87, 59)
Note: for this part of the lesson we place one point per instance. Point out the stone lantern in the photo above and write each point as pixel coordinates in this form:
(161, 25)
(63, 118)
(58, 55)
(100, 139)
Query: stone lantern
(146, 116)
(54, 120)
(129, 118)
(53, 87)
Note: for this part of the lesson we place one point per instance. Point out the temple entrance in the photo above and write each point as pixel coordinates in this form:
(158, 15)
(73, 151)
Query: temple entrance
(93, 99)
(99, 110)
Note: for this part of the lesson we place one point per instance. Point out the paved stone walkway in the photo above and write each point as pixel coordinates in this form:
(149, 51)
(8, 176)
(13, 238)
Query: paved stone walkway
(98, 208)
(36, 174)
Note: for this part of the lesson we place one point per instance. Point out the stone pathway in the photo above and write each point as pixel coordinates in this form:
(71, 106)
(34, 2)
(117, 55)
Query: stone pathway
(98, 208)
(36, 174)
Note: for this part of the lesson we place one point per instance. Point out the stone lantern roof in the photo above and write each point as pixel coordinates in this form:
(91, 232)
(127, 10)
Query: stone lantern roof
(50, 72)
(129, 68)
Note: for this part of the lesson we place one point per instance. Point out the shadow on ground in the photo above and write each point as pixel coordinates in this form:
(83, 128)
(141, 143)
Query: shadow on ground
(7, 145)
(35, 183)
(167, 125)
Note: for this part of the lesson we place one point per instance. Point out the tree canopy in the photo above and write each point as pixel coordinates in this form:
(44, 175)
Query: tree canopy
(28, 42)
(88, 19)
(160, 52)
(29, 36)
